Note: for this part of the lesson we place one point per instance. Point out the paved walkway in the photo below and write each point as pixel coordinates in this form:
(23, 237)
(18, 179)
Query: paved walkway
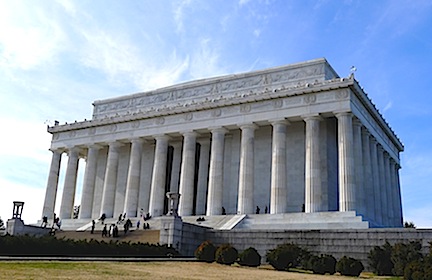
(97, 259)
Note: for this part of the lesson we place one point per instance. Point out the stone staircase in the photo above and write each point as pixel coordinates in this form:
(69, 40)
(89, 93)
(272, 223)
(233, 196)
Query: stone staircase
(221, 222)
(306, 221)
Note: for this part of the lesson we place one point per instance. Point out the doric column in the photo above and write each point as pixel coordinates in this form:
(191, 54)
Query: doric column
(278, 197)
(398, 203)
(147, 163)
(368, 177)
(67, 203)
(175, 171)
(187, 174)
(52, 185)
(376, 181)
(89, 182)
(360, 197)
(203, 171)
(110, 181)
(346, 162)
(215, 182)
(246, 173)
(388, 190)
(133, 178)
(313, 165)
(382, 186)
(157, 196)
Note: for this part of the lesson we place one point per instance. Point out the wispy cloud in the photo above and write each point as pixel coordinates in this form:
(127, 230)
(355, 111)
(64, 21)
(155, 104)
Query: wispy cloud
(27, 40)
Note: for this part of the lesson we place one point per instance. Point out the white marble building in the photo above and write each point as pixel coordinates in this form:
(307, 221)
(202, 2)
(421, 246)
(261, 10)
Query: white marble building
(296, 138)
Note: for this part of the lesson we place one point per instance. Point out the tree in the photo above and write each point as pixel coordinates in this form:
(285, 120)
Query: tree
(1, 223)
(409, 225)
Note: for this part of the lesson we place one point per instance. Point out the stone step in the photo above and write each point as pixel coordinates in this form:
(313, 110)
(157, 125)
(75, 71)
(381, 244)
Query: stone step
(231, 223)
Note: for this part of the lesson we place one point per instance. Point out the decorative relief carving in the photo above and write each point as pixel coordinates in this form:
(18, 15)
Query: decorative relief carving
(135, 124)
(113, 127)
(56, 136)
(342, 94)
(188, 116)
(216, 91)
(92, 131)
(245, 108)
(310, 98)
(216, 112)
(160, 120)
(277, 103)
(72, 133)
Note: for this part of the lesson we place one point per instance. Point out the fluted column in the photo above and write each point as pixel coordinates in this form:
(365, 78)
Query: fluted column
(187, 174)
(147, 161)
(346, 162)
(376, 181)
(68, 197)
(312, 165)
(368, 177)
(110, 181)
(203, 171)
(398, 203)
(246, 173)
(360, 197)
(388, 190)
(89, 182)
(176, 164)
(215, 182)
(133, 178)
(157, 196)
(52, 185)
(382, 186)
(278, 196)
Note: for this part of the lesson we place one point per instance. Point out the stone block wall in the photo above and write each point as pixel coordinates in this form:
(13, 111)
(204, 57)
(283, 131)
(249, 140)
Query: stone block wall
(192, 237)
(339, 243)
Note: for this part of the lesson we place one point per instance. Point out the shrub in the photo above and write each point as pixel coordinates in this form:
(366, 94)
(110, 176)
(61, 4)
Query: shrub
(250, 257)
(284, 256)
(349, 266)
(226, 254)
(380, 259)
(403, 254)
(323, 264)
(419, 269)
(206, 252)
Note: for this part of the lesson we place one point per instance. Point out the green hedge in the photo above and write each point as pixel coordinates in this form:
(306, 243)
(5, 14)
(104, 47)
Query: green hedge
(49, 246)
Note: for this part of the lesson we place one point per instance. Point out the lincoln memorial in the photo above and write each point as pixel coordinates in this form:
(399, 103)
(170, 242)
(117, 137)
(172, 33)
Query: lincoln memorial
(290, 140)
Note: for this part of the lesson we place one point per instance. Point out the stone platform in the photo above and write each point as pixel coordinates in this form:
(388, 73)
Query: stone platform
(288, 221)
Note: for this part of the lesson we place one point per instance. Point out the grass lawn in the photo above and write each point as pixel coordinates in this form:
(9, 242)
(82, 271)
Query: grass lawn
(149, 270)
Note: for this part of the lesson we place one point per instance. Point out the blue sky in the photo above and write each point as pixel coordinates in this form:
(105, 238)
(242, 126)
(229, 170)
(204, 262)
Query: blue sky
(57, 57)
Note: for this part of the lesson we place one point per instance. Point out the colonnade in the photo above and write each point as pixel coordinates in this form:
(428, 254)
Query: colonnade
(368, 180)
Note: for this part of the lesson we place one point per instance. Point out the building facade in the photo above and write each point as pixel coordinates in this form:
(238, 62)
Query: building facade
(296, 138)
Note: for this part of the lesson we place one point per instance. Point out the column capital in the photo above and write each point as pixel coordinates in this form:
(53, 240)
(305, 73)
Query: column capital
(161, 137)
(339, 114)
(279, 121)
(189, 133)
(373, 141)
(94, 146)
(248, 125)
(74, 151)
(216, 129)
(115, 144)
(203, 141)
(357, 122)
(311, 117)
(57, 151)
(365, 131)
(137, 140)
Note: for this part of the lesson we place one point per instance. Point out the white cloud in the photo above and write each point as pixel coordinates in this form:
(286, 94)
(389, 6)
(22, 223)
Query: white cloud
(179, 14)
(388, 106)
(27, 39)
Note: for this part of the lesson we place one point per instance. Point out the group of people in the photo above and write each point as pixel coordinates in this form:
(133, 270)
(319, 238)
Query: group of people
(113, 231)
(56, 222)
(257, 210)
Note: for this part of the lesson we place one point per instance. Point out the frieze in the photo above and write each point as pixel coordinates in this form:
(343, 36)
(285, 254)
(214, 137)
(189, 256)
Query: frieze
(216, 112)
(208, 93)
(245, 108)
(310, 98)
